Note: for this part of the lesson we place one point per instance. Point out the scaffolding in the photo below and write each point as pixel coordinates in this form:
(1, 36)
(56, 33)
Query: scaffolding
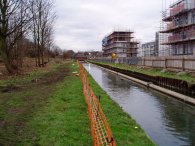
(179, 27)
(120, 42)
(161, 38)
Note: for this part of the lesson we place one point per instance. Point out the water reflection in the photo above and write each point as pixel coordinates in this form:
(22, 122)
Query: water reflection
(166, 120)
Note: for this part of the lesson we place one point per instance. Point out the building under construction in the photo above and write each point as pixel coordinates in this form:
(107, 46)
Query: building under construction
(120, 43)
(180, 21)
(149, 49)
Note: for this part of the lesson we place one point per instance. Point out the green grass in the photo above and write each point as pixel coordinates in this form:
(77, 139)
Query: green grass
(16, 109)
(154, 72)
(64, 121)
(46, 115)
(122, 125)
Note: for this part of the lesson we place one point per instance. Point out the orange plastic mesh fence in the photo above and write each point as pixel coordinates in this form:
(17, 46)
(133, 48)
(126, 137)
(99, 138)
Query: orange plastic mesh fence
(101, 132)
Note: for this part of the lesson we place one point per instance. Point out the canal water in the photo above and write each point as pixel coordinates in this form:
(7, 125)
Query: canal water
(166, 120)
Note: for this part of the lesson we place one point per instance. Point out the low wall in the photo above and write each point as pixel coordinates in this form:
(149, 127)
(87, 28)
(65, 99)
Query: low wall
(182, 63)
(176, 63)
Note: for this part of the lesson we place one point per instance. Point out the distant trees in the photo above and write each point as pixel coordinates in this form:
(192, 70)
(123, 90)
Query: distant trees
(22, 19)
(68, 54)
(56, 51)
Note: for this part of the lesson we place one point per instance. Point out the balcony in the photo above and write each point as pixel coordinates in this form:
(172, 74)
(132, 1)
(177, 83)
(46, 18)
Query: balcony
(178, 38)
(172, 27)
(178, 9)
(133, 47)
(132, 51)
(120, 45)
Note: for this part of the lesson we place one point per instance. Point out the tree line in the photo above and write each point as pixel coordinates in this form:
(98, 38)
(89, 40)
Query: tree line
(26, 27)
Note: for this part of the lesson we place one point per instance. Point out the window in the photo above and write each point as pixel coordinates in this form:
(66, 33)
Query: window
(183, 34)
(185, 49)
(176, 21)
(175, 51)
(193, 17)
(180, 51)
(190, 49)
(186, 19)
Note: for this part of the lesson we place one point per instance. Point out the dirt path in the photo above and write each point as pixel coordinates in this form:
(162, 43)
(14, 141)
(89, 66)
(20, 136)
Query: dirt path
(18, 103)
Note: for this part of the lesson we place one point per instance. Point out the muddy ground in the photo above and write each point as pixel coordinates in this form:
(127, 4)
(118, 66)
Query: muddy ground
(19, 102)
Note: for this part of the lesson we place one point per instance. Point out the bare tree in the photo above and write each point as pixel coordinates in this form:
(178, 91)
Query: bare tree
(41, 27)
(49, 41)
(14, 19)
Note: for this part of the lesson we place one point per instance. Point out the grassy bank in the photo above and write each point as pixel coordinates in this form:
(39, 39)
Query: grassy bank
(49, 112)
(153, 72)
(125, 130)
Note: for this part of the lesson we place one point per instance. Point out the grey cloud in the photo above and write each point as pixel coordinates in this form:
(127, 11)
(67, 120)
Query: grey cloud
(82, 24)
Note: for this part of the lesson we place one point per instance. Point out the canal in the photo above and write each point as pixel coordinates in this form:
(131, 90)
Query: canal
(166, 120)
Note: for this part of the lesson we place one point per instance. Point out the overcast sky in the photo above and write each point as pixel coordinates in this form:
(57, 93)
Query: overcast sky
(82, 24)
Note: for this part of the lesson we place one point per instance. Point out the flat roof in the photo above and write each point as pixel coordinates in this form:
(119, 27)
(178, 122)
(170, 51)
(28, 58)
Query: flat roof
(122, 32)
(119, 31)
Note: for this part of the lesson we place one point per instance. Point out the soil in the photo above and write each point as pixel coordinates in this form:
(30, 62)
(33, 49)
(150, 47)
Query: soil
(28, 66)
(13, 125)
(51, 77)
(9, 88)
